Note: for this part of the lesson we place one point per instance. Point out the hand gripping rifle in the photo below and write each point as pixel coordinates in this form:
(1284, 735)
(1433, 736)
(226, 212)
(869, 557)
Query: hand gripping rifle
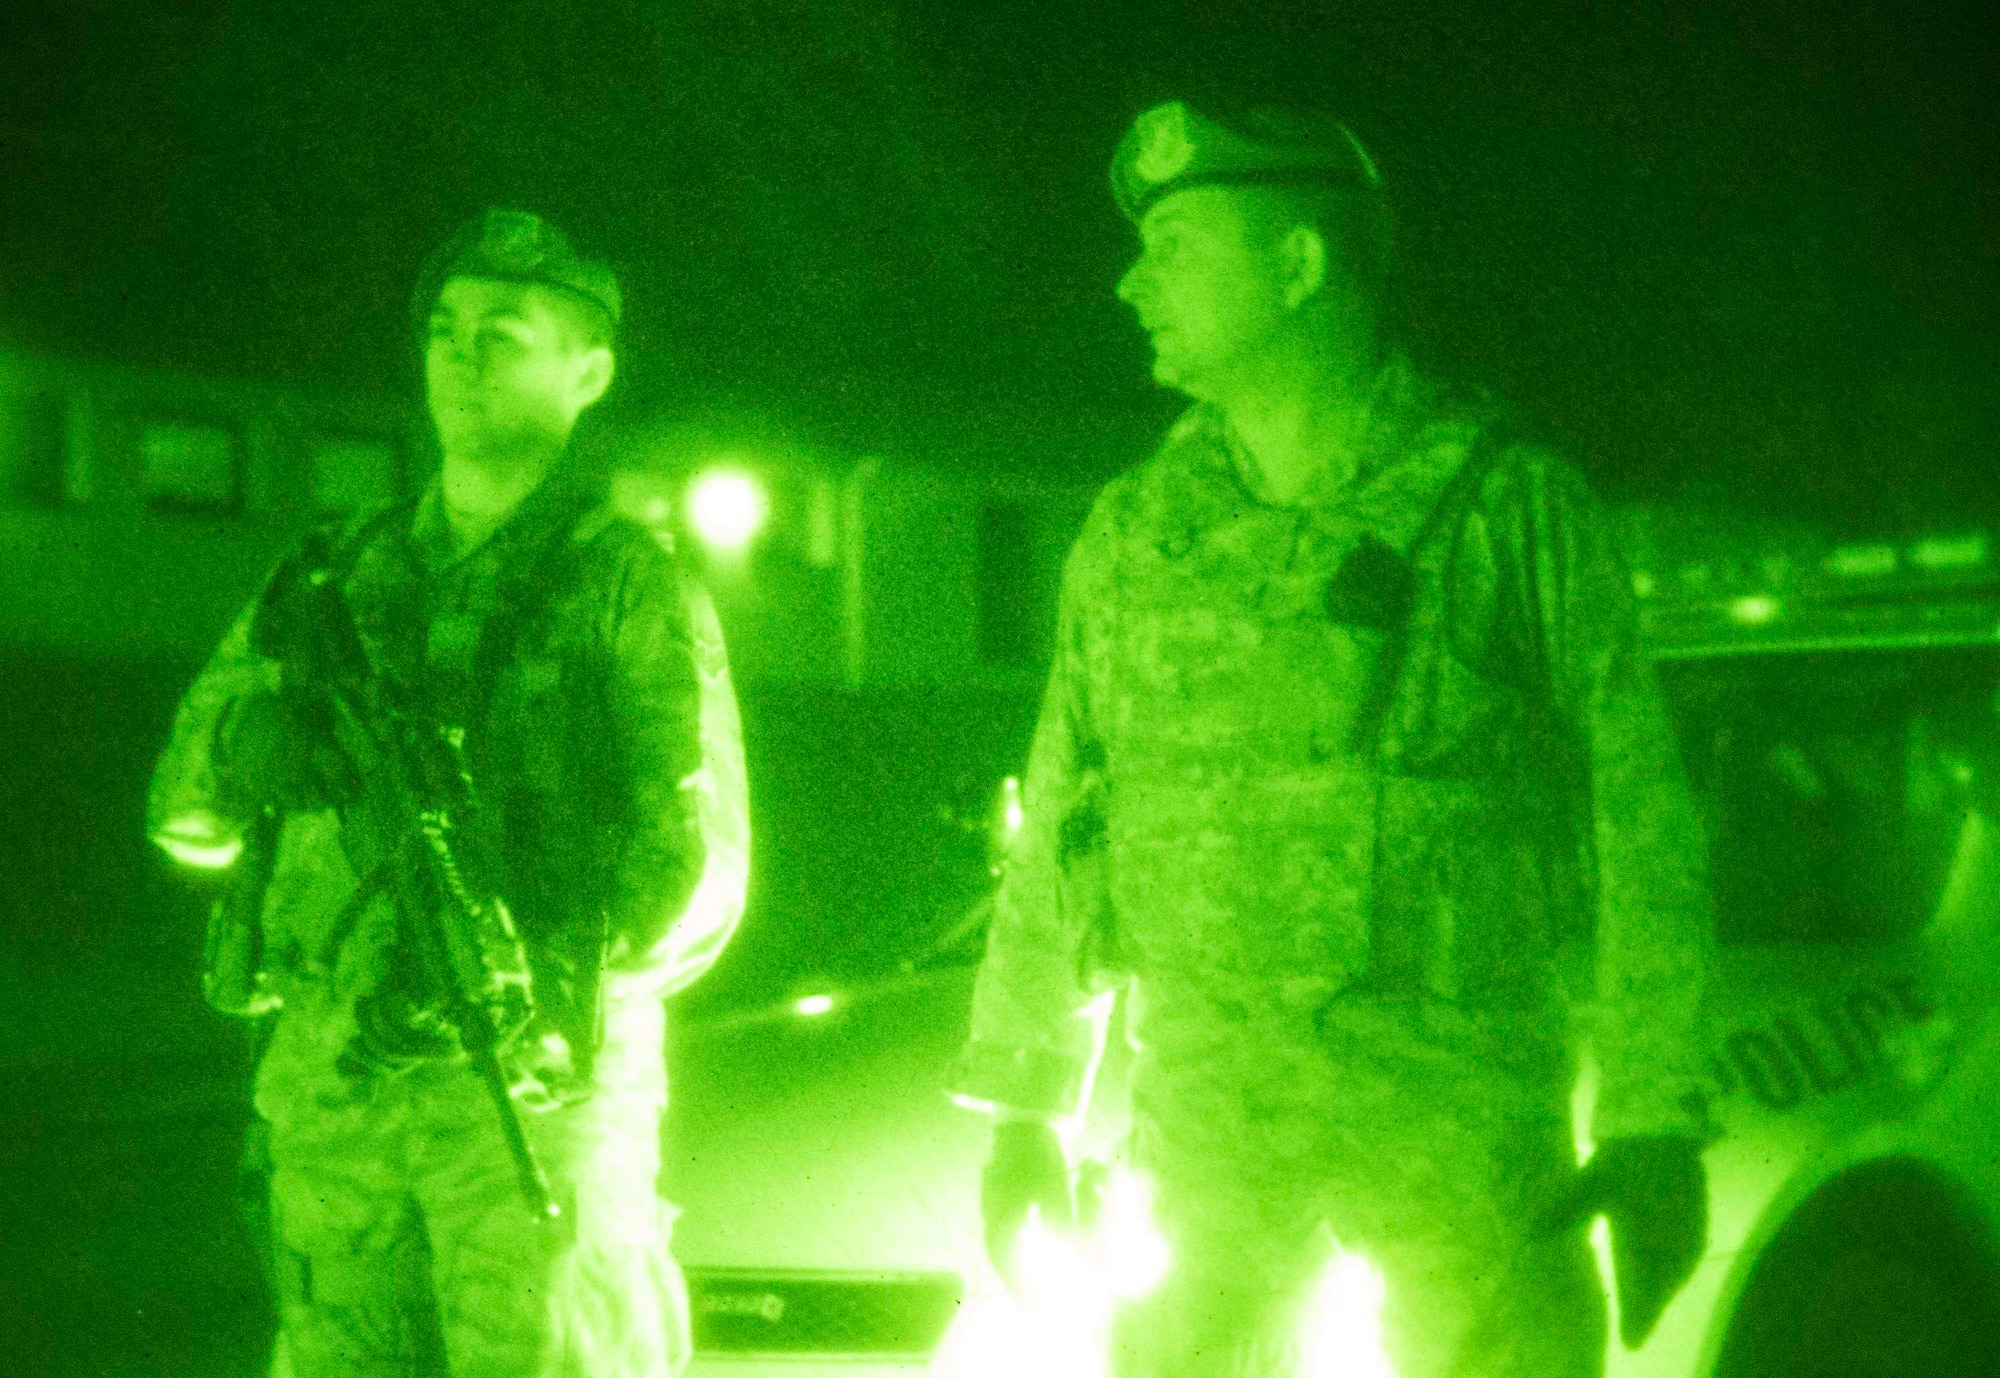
(416, 804)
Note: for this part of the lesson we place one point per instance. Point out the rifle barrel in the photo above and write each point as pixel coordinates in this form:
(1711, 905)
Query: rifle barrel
(534, 1182)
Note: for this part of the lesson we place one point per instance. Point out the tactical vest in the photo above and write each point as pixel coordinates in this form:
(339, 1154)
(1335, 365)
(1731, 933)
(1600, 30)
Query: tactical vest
(516, 677)
(1274, 804)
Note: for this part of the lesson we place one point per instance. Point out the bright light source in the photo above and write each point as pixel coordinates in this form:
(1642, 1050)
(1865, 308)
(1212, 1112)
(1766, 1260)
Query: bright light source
(998, 1335)
(1064, 1306)
(1755, 610)
(726, 508)
(813, 1005)
(1055, 1272)
(219, 856)
(1342, 1334)
(1134, 1254)
(1056, 1322)
(1011, 813)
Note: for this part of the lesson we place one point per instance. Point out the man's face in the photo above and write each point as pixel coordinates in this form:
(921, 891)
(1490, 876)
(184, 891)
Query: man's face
(504, 365)
(1207, 287)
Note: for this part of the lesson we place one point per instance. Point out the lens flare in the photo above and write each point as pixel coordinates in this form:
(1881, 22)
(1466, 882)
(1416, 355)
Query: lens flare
(1012, 815)
(1056, 1323)
(1342, 1332)
(1131, 1252)
(726, 508)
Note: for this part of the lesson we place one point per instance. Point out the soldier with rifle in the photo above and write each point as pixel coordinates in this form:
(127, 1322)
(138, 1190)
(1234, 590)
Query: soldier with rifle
(475, 768)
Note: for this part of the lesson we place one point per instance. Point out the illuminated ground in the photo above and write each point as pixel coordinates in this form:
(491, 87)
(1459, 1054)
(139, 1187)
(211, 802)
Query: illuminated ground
(793, 1142)
(827, 1142)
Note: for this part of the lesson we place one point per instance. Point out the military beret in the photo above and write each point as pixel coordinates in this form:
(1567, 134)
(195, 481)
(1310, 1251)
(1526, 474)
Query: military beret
(1173, 146)
(503, 245)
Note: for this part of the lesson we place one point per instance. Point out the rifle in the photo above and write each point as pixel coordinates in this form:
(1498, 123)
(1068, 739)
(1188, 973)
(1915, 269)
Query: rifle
(416, 802)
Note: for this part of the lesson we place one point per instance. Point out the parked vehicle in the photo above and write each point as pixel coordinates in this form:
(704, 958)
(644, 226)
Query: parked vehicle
(1835, 707)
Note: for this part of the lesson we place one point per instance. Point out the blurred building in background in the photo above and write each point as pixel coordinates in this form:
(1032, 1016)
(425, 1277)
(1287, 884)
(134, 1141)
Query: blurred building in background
(141, 509)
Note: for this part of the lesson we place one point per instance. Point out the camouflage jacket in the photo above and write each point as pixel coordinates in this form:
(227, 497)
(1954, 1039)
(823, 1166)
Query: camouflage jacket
(1397, 742)
(588, 674)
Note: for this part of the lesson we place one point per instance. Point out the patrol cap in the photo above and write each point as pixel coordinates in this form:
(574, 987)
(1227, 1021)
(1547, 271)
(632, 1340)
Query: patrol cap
(1174, 146)
(502, 245)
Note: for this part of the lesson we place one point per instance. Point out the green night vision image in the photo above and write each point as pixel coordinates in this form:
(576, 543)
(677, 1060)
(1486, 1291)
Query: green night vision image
(721, 691)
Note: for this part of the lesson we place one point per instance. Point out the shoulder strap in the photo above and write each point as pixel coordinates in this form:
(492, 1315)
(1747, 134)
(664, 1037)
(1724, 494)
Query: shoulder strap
(1446, 513)
(337, 558)
(1480, 458)
(526, 595)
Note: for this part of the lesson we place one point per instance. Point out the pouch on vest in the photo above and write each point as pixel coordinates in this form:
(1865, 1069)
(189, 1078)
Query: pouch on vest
(232, 978)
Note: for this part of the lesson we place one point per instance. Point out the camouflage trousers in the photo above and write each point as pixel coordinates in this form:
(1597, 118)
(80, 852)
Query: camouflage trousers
(403, 1245)
(1374, 1129)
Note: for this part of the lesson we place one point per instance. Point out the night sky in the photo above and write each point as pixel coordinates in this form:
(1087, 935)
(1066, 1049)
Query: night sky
(1749, 252)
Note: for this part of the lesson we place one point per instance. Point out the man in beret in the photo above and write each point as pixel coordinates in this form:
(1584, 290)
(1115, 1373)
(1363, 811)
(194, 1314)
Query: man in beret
(582, 671)
(1347, 738)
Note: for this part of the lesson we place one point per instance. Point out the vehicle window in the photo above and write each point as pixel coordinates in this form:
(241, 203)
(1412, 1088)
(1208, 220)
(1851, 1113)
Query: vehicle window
(1832, 785)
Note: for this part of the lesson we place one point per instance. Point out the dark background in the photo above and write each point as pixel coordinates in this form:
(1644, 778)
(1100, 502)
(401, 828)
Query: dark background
(1749, 251)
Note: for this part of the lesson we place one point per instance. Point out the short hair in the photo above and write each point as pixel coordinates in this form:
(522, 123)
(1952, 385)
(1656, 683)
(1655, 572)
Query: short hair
(1356, 224)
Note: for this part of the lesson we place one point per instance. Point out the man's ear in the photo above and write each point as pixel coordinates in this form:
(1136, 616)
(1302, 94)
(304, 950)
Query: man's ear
(1303, 252)
(594, 372)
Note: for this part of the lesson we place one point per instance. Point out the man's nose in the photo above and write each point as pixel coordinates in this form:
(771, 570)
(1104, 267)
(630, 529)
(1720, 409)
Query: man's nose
(456, 356)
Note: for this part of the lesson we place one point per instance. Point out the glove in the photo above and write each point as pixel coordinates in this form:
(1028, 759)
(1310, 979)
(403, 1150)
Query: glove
(1026, 1168)
(1654, 1191)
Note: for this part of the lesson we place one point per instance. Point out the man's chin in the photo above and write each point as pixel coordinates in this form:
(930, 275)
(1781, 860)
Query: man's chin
(505, 446)
(1169, 373)
(457, 418)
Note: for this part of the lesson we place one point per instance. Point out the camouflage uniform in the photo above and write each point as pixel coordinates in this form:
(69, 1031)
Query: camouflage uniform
(1335, 783)
(591, 681)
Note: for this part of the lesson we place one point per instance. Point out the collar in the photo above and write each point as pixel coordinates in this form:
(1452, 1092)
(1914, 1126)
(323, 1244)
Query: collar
(1397, 481)
(548, 509)
(1395, 404)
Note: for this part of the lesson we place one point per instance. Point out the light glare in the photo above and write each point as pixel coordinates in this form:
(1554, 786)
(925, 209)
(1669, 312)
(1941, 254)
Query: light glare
(1135, 1254)
(1754, 610)
(1057, 1324)
(811, 1005)
(1343, 1322)
(726, 509)
(1950, 552)
(1012, 814)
